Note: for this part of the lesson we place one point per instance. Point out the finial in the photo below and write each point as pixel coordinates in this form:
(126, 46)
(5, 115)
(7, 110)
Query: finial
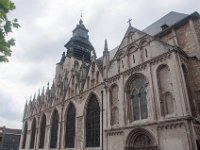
(81, 21)
(81, 14)
(129, 21)
(43, 89)
(34, 97)
(106, 45)
(62, 58)
(94, 54)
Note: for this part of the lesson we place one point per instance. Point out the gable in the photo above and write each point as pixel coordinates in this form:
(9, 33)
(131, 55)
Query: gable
(94, 74)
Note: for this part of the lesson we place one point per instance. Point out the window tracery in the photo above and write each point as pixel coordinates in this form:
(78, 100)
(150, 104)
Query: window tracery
(138, 100)
(70, 127)
(33, 131)
(42, 132)
(54, 130)
(93, 123)
(166, 98)
(114, 105)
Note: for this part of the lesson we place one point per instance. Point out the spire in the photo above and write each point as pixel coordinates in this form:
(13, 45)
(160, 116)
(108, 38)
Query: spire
(80, 21)
(105, 52)
(34, 97)
(43, 90)
(47, 90)
(106, 46)
(62, 58)
(38, 96)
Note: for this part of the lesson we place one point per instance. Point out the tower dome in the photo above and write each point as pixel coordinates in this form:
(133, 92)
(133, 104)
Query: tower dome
(79, 45)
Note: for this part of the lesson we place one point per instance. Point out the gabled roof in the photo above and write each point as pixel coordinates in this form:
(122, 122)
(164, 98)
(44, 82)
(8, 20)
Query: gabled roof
(169, 19)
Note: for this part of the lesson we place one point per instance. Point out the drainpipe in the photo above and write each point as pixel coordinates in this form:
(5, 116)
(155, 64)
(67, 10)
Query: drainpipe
(102, 119)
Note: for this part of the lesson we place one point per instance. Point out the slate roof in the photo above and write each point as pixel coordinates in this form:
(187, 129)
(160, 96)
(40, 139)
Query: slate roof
(10, 131)
(169, 19)
(113, 52)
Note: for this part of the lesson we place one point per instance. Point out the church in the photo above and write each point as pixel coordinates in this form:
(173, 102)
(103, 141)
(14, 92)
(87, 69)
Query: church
(142, 95)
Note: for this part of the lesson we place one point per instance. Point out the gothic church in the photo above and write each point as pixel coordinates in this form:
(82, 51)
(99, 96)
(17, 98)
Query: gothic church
(142, 95)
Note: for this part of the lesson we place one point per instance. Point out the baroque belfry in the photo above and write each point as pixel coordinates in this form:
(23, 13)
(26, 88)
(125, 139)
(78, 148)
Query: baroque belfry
(142, 95)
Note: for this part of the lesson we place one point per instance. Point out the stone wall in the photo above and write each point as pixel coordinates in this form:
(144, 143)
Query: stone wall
(186, 36)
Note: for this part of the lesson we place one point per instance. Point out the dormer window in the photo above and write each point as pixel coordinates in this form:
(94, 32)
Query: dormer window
(164, 26)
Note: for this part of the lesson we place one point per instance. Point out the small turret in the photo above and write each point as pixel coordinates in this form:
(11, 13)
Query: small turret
(105, 47)
(62, 60)
(106, 59)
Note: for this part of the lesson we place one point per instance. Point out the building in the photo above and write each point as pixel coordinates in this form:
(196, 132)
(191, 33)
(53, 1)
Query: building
(142, 95)
(9, 138)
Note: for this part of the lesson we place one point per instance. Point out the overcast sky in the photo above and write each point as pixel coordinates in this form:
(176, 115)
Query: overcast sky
(46, 25)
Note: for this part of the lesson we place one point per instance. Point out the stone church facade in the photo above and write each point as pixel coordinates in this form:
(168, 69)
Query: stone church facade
(142, 95)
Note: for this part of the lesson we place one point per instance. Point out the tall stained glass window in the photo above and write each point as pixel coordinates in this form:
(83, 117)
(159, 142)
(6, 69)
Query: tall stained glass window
(93, 123)
(33, 131)
(138, 98)
(70, 127)
(42, 132)
(54, 130)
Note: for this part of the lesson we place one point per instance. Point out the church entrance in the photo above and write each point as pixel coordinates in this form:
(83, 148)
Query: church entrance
(140, 139)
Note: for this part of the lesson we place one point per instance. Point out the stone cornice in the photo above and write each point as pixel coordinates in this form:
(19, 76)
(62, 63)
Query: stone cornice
(178, 121)
(115, 133)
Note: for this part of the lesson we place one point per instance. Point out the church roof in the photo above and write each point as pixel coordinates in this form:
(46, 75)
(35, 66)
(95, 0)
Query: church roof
(169, 19)
(5, 130)
(113, 52)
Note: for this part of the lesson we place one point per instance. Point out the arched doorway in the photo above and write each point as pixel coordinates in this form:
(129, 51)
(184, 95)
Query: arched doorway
(140, 139)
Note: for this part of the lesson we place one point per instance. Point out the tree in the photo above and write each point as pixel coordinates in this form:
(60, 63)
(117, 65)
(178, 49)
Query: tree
(6, 27)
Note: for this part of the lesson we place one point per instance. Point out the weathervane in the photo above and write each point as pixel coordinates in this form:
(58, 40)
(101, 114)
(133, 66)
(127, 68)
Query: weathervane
(129, 21)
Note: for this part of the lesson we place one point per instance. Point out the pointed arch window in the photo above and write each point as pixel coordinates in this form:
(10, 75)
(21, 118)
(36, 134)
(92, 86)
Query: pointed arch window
(42, 132)
(97, 77)
(138, 98)
(135, 106)
(33, 131)
(70, 127)
(54, 130)
(167, 104)
(24, 135)
(165, 87)
(93, 123)
(114, 104)
(143, 103)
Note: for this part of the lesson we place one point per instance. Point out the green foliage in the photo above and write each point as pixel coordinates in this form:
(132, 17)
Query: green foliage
(6, 27)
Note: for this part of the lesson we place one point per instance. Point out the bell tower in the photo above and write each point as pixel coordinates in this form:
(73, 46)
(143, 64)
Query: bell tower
(79, 45)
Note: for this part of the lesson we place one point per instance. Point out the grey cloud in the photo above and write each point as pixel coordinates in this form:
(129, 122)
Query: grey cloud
(41, 44)
(7, 110)
(33, 76)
